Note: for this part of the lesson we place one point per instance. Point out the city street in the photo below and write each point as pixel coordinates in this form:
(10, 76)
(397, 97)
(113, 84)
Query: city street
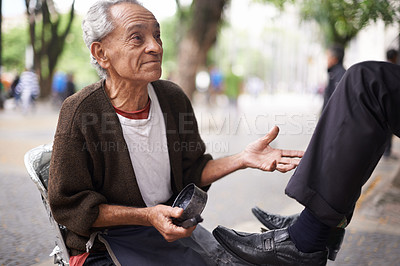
(25, 233)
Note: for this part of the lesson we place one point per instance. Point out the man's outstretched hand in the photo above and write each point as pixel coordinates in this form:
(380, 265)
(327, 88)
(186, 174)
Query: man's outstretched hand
(261, 155)
(258, 154)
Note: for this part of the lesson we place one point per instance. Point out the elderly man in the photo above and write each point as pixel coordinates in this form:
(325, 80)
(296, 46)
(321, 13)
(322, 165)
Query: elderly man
(126, 145)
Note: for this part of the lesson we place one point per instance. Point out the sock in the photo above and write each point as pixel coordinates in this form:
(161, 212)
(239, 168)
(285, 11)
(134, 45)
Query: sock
(308, 233)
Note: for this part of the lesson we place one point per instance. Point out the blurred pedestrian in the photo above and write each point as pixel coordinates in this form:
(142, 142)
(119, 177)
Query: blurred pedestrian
(70, 87)
(59, 87)
(13, 87)
(28, 90)
(255, 86)
(335, 70)
(216, 84)
(1, 95)
(391, 57)
(233, 84)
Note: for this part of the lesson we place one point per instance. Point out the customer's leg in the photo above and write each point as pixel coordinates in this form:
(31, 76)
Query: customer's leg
(345, 148)
(349, 141)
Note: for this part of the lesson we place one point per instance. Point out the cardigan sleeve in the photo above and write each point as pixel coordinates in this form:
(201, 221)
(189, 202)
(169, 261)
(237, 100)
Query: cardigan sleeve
(73, 199)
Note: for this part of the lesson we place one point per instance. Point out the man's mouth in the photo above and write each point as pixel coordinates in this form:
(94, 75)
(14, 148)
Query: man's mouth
(152, 62)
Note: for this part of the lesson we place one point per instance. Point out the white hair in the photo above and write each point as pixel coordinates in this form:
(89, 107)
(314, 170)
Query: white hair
(97, 24)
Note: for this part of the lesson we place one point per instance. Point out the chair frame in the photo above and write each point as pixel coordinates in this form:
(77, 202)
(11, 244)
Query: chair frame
(32, 160)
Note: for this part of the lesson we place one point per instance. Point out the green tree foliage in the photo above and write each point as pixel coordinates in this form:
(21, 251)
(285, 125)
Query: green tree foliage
(341, 20)
(279, 3)
(170, 36)
(15, 41)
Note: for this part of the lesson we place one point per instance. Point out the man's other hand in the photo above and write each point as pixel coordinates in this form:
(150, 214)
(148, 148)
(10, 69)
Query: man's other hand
(160, 217)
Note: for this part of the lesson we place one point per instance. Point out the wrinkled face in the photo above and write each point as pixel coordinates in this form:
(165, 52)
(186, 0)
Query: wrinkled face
(133, 50)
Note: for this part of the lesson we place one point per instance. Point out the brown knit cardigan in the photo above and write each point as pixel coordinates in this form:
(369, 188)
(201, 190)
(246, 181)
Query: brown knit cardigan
(91, 164)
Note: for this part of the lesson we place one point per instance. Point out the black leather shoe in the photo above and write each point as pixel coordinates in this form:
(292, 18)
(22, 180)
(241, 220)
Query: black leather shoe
(270, 248)
(274, 221)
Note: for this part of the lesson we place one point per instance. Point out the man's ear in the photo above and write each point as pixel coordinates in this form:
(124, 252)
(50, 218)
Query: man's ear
(97, 50)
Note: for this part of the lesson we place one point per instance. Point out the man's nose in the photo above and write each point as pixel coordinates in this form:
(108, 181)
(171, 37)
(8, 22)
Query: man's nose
(153, 46)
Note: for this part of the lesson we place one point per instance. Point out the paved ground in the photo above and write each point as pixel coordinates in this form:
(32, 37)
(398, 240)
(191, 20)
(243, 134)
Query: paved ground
(25, 232)
(373, 237)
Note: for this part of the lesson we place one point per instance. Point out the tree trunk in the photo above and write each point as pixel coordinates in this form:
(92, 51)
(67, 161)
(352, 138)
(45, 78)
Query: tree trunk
(190, 57)
(200, 37)
(45, 86)
(50, 45)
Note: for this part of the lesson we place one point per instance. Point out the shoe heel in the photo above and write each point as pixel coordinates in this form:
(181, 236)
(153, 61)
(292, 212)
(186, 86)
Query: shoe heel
(335, 241)
(332, 253)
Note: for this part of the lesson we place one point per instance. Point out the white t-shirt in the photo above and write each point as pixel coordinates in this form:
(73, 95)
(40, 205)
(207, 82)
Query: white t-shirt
(147, 145)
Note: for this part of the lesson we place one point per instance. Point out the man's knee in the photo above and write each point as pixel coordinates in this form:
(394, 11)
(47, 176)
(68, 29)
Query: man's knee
(371, 69)
(363, 68)
(361, 77)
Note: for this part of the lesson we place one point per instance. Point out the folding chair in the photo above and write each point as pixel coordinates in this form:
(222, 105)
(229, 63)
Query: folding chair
(37, 163)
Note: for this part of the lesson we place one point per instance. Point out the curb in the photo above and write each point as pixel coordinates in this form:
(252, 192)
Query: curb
(378, 208)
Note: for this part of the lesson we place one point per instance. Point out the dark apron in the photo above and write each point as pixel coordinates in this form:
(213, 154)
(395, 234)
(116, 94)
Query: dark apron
(143, 245)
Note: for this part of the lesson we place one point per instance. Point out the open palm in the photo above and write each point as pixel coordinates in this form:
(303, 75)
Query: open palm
(261, 155)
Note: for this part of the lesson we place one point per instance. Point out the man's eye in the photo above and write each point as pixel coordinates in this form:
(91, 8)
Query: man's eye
(136, 37)
(157, 37)
(157, 34)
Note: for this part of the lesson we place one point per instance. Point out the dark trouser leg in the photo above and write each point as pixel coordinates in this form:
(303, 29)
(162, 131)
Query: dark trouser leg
(348, 141)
